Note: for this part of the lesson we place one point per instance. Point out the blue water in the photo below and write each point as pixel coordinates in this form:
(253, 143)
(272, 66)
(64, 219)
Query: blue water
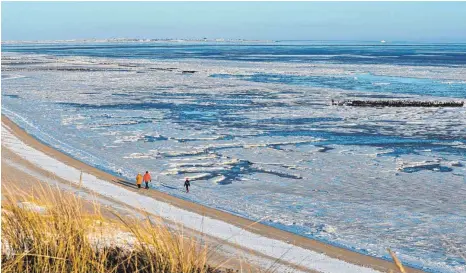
(348, 53)
(287, 51)
(365, 82)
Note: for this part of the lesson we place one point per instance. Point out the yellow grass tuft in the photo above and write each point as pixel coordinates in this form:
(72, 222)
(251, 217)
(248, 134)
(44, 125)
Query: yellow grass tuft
(66, 238)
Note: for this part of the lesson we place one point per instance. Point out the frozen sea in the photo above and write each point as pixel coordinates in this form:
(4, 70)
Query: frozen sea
(252, 126)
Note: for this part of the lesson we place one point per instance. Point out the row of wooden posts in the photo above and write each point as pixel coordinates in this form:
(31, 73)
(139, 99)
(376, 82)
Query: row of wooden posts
(398, 103)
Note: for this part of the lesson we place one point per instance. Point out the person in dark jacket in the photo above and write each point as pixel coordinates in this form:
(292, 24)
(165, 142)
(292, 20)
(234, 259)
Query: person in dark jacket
(187, 184)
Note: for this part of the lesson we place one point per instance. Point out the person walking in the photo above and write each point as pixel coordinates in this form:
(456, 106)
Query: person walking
(187, 184)
(139, 180)
(147, 179)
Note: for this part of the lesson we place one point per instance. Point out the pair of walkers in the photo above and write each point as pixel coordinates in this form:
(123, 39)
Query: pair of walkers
(147, 178)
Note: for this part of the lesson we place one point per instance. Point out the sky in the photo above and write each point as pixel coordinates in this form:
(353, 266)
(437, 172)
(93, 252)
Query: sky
(359, 21)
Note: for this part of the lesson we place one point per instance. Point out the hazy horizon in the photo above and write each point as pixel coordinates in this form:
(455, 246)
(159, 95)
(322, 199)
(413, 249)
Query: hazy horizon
(427, 22)
(210, 39)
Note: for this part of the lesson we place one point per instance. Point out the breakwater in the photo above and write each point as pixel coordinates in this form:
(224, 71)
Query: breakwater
(398, 103)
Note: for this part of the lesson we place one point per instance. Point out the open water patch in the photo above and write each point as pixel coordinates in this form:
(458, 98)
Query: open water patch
(362, 82)
(11, 96)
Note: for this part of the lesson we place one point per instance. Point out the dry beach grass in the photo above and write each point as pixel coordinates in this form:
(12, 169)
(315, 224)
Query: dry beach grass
(50, 231)
(47, 232)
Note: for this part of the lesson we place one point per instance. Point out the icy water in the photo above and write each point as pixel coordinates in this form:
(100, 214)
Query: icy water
(253, 127)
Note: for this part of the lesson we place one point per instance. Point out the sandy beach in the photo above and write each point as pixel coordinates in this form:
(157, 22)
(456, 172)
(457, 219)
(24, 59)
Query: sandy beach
(16, 167)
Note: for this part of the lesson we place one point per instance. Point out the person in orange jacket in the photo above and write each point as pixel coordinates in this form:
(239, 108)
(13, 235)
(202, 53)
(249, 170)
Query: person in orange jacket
(139, 180)
(147, 179)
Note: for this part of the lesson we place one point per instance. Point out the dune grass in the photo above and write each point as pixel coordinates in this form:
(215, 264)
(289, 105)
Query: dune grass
(64, 237)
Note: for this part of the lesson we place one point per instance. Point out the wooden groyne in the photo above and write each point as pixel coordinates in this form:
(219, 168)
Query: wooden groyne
(398, 103)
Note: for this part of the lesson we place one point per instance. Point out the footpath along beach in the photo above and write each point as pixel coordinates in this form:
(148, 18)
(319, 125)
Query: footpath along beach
(242, 240)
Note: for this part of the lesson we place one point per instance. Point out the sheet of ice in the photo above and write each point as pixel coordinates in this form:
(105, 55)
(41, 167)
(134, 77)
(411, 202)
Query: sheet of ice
(216, 228)
(278, 151)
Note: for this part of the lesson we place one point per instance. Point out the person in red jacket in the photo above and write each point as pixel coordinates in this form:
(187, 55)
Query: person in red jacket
(147, 179)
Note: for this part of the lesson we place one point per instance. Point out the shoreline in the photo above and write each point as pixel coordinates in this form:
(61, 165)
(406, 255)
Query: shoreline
(22, 178)
(243, 223)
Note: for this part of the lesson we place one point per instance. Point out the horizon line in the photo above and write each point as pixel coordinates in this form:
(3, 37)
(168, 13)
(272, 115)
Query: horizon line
(220, 39)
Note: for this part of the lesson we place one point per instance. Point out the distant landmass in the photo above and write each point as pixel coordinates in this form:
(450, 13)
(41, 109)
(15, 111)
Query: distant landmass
(138, 40)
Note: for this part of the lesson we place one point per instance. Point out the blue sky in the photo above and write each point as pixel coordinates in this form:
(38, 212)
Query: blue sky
(391, 21)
